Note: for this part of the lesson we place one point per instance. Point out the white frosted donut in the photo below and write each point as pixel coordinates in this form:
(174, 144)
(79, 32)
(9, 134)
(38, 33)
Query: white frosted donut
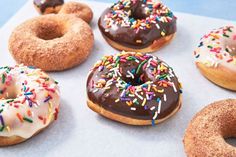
(216, 56)
(29, 103)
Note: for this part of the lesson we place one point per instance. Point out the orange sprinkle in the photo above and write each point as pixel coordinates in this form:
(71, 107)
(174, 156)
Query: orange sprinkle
(20, 117)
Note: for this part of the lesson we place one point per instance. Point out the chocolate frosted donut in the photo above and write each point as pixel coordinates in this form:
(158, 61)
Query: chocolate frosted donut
(133, 88)
(48, 6)
(137, 25)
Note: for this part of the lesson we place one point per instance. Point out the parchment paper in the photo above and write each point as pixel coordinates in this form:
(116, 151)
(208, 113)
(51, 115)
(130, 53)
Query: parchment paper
(81, 132)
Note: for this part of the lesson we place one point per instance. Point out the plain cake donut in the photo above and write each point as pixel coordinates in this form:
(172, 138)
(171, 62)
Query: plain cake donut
(52, 42)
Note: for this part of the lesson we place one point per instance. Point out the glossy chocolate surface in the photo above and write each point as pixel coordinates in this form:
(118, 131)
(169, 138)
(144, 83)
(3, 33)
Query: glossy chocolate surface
(106, 98)
(44, 4)
(130, 37)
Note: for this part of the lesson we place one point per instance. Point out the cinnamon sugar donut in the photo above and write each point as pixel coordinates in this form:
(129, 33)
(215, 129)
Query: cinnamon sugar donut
(52, 42)
(80, 10)
(206, 132)
(29, 101)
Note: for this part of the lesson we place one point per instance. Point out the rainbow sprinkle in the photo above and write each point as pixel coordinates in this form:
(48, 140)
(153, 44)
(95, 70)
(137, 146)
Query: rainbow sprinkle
(142, 89)
(217, 47)
(121, 15)
(27, 97)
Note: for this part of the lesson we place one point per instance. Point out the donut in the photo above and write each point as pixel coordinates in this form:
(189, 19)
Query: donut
(48, 6)
(133, 88)
(215, 56)
(29, 101)
(207, 131)
(80, 10)
(52, 42)
(137, 25)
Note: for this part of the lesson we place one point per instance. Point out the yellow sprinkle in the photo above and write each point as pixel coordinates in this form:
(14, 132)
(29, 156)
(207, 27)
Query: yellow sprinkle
(160, 91)
(144, 101)
(49, 107)
(155, 89)
(117, 100)
(138, 41)
(149, 87)
(163, 33)
(50, 116)
(8, 128)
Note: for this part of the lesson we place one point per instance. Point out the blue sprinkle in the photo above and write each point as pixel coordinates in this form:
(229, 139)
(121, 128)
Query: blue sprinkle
(153, 122)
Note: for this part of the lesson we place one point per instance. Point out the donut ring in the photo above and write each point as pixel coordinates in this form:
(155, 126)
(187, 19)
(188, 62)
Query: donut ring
(29, 103)
(48, 6)
(138, 26)
(133, 88)
(216, 57)
(52, 42)
(80, 10)
(206, 132)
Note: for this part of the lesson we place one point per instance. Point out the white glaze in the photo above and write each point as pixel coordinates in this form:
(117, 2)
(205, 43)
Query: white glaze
(216, 39)
(14, 88)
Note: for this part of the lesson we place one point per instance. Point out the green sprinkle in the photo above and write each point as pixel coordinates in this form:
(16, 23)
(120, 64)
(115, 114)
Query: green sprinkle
(11, 100)
(2, 128)
(209, 46)
(225, 35)
(1, 110)
(28, 120)
(140, 65)
(3, 78)
(55, 82)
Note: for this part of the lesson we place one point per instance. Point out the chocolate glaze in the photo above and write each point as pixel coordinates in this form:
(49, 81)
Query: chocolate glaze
(44, 4)
(106, 98)
(127, 36)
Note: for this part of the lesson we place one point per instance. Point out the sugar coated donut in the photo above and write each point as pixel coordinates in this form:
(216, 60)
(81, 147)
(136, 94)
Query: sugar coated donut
(29, 101)
(80, 10)
(206, 133)
(137, 25)
(216, 56)
(48, 6)
(133, 88)
(52, 42)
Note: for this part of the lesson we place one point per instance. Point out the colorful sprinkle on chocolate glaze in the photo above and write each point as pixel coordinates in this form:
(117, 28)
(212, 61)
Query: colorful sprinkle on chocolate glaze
(155, 12)
(134, 85)
(137, 23)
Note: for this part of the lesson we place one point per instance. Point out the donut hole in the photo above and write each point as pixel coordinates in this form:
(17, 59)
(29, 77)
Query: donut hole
(130, 75)
(231, 141)
(134, 82)
(228, 130)
(50, 30)
(8, 93)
